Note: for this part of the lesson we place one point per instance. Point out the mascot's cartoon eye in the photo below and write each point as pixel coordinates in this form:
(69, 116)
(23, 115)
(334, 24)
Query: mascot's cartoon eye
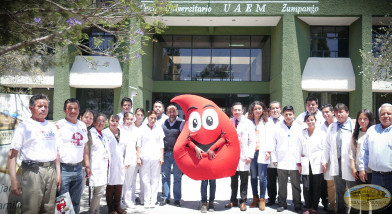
(194, 122)
(210, 119)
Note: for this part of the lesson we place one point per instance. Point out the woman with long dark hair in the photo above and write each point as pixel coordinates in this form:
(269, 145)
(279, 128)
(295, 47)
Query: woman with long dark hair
(258, 114)
(365, 119)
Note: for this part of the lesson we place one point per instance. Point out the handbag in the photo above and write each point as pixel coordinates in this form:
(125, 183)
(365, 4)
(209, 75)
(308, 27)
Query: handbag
(64, 204)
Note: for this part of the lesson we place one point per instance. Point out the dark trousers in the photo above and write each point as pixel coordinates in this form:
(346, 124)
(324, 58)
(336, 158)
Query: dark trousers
(295, 177)
(324, 192)
(243, 186)
(312, 189)
(340, 187)
(272, 176)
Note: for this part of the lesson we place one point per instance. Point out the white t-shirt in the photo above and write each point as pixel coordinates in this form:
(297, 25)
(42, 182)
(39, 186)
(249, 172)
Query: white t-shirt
(150, 141)
(36, 141)
(73, 138)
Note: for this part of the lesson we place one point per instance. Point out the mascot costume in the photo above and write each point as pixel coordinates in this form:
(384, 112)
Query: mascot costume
(207, 127)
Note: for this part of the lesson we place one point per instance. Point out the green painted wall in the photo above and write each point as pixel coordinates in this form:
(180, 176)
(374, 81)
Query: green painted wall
(62, 90)
(291, 69)
(276, 63)
(360, 38)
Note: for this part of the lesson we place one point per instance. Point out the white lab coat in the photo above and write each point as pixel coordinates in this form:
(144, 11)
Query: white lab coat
(265, 141)
(287, 146)
(247, 137)
(99, 159)
(312, 151)
(324, 130)
(117, 155)
(330, 151)
(273, 143)
(129, 136)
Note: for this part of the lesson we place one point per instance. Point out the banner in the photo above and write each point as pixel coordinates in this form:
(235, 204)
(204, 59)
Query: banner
(13, 109)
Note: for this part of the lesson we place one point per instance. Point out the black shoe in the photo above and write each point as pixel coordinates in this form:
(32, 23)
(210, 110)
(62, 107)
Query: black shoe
(177, 203)
(298, 210)
(137, 201)
(280, 209)
(270, 202)
(231, 204)
(211, 206)
(163, 202)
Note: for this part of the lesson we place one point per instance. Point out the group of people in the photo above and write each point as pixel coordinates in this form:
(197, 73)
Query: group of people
(326, 147)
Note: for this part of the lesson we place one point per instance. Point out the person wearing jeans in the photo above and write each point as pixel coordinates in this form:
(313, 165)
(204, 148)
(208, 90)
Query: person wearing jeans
(203, 191)
(172, 128)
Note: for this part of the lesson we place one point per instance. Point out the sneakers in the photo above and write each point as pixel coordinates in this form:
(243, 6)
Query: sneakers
(211, 206)
(164, 202)
(203, 208)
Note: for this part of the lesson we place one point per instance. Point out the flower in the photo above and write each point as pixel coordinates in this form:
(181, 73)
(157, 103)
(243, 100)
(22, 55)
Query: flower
(132, 41)
(38, 20)
(137, 55)
(74, 21)
(140, 32)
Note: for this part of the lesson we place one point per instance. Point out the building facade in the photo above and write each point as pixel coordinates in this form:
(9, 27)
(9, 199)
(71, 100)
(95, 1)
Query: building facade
(239, 51)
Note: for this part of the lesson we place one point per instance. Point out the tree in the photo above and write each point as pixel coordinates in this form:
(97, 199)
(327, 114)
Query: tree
(377, 63)
(33, 29)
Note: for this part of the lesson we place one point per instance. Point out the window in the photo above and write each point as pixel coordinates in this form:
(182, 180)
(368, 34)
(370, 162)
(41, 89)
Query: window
(224, 101)
(332, 98)
(98, 100)
(329, 41)
(211, 58)
(377, 33)
(99, 41)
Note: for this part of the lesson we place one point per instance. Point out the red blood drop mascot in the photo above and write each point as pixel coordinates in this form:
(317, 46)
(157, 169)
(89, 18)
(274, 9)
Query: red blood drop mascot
(207, 127)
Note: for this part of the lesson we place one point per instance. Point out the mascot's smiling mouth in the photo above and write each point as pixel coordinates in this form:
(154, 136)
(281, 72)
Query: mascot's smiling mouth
(206, 147)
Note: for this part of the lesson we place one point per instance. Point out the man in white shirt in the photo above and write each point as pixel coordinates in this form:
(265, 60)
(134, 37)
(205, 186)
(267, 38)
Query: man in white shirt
(336, 152)
(328, 114)
(311, 104)
(126, 107)
(272, 173)
(376, 151)
(247, 137)
(73, 150)
(288, 158)
(36, 139)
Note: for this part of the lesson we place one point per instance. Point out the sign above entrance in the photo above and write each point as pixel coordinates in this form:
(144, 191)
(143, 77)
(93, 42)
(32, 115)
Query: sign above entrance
(218, 7)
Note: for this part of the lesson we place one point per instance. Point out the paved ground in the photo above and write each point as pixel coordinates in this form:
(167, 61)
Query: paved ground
(191, 200)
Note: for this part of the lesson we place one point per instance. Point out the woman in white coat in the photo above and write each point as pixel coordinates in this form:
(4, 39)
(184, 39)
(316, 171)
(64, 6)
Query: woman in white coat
(129, 136)
(312, 141)
(258, 114)
(150, 157)
(99, 162)
(116, 167)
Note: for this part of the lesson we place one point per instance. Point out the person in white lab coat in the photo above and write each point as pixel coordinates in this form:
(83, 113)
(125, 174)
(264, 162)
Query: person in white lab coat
(150, 157)
(116, 167)
(98, 162)
(312, 141)
(129, 136)
(287, 158)
(336, 152)
(247, 137)
(329, 116)
(274, 119)
(311, 104)
(258, 114)
(139, 116)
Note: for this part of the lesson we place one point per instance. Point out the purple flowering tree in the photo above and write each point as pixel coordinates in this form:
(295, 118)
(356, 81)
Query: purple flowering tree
(43, 27)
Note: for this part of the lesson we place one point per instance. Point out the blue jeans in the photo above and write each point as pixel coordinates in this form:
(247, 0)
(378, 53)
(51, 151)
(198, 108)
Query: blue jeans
(203, 190)
(177, 174)
(72, 182)
(262, 178)
(384, 180)
(254, 172)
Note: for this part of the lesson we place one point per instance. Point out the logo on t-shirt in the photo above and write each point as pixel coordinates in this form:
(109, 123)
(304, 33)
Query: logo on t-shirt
(47, 134)
(76, 138)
